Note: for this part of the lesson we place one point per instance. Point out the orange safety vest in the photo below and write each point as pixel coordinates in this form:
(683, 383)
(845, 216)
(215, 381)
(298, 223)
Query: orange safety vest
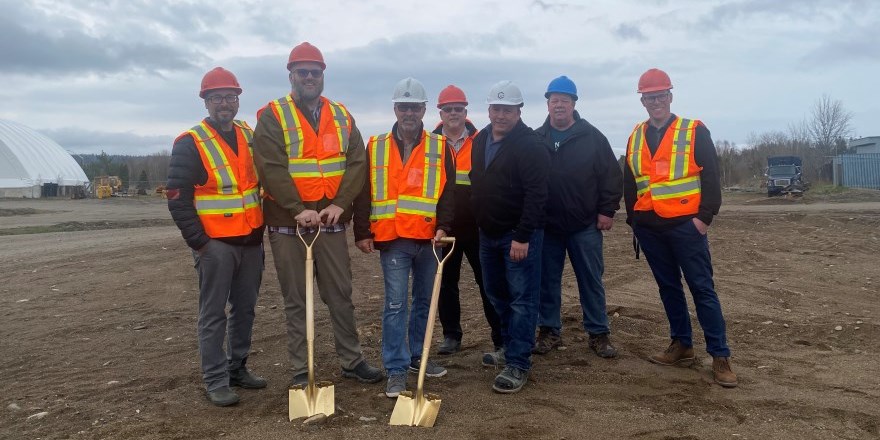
(463, 161)
(669, 182)
(316, 161)
(228, 204)
(403, 197)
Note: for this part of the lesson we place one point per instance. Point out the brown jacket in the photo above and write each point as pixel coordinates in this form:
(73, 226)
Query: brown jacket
(270, 157)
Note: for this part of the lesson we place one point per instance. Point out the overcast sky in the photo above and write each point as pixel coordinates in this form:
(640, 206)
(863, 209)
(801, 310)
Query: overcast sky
(123, 75)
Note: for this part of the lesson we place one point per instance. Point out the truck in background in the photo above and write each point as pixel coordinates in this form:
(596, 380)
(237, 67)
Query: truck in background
(785, 176)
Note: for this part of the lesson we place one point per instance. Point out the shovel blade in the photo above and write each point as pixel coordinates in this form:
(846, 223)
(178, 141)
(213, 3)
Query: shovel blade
(409, 411)
(303, 403)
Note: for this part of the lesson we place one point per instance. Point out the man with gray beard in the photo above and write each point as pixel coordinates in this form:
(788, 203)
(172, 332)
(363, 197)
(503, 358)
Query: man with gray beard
(312, 163)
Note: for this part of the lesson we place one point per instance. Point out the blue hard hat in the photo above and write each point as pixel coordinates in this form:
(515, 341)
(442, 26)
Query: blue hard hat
(562, 85)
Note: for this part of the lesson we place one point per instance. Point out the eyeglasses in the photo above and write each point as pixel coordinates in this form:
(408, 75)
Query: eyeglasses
(413, 107)
(304, 73)
(218, 99)
(451, 109)
(662, 98)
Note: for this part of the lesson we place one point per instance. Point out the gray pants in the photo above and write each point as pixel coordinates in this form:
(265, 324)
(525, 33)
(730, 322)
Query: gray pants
(227, 274)
(333, 273)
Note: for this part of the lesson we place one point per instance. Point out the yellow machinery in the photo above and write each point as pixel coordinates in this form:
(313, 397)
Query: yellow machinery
(107, 186)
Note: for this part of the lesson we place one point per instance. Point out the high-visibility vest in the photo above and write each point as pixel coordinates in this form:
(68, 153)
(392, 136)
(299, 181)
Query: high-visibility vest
(669, 182)
(403, 197)
(228, 204)
(463, 161)
(316, 161)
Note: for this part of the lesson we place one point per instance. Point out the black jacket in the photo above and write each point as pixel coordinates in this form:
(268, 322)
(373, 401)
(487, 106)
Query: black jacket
(510, 194)
(710, 181)
(585, 178)
(464, 226)
(185, 171)
(445, 205)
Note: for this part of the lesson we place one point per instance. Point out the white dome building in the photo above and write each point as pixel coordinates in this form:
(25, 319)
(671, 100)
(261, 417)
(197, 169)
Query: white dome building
(32, 165)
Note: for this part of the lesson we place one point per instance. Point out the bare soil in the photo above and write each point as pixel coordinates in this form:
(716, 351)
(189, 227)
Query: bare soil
(98, 338)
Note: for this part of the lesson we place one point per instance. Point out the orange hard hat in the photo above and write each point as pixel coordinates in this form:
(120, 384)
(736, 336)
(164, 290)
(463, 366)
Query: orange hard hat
(654, 80)
(219, 78)
(451, 94)
(305, 52)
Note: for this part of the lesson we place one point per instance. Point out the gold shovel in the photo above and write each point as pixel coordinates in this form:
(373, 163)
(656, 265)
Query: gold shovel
(420, 409)
(315, 397)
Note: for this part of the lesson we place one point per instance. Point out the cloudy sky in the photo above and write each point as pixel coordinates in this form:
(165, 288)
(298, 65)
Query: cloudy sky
(123, 75)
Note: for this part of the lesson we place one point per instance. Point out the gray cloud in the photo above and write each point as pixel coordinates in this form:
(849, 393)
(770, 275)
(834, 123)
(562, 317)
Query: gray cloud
(38, 41)
(84, 141)
(629, 31)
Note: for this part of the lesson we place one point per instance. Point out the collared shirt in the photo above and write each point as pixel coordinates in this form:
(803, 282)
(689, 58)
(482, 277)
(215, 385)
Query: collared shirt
(457, 143)
(314, 117)
(406, 148)
(492, 147)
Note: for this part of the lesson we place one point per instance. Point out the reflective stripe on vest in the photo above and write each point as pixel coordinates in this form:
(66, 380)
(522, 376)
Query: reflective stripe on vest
(462, 177)
(298, 166)
(678, 166)
(426, 205)
(635, 148)
(227, 204)
(227, 183)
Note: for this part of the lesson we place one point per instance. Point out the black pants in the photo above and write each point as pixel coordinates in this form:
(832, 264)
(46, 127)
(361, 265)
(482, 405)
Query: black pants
(449, 304)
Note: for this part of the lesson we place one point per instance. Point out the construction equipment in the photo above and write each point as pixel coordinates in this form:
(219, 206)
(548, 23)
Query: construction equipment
(219, 78)
(107, 186)
(419, 408)
(785, 176)
(313, 398)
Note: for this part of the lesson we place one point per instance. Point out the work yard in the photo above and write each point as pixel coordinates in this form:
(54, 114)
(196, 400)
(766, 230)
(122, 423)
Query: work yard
(98, 337)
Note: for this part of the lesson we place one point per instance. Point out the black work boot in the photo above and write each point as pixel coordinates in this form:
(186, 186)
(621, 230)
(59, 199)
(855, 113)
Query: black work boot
(223, 396)
(242, 377)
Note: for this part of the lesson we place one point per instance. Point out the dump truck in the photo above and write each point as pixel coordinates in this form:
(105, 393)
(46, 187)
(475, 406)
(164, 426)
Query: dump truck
(784, 176)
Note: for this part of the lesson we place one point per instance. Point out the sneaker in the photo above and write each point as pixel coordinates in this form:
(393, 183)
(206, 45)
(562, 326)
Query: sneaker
(449, 346)
(364, 373)
(601, 345)
(547, 340)
(396, 385)
(299, 380)
(244, 378)
(494, 358)
(510, 380)
(223, 396)
(724, 376)
(676, 354)
(431, 370)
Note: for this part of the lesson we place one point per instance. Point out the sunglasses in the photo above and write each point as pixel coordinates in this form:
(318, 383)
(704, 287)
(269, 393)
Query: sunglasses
(218, 99)
(451, 109)
(403, 108)
(304, 73)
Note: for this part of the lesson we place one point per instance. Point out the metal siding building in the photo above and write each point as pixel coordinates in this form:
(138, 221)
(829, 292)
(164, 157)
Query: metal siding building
(857, 170)
(865, 145)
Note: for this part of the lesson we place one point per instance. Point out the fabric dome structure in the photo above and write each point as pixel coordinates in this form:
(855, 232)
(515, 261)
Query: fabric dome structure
(32, 165)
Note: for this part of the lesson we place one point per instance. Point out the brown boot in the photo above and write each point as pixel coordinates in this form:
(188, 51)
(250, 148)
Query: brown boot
(724, 376)
(676, 354)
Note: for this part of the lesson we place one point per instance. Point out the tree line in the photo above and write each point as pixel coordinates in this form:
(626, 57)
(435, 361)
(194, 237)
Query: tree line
(135, 172)
(817, 138)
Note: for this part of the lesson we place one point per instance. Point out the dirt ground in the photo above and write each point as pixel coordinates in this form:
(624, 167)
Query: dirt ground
(98, 337)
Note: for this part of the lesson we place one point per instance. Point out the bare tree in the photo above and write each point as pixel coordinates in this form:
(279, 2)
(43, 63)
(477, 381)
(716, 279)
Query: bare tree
(828, 122)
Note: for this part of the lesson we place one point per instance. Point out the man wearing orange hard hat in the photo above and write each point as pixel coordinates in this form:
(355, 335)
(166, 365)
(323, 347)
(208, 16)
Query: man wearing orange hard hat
(672, 190)
(214, 198)
(312, 163)
(460, 133)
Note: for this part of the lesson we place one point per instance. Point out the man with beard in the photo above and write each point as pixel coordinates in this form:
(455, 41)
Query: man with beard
(460, 133)
(509, 180)
(405, 206)
(672, 190)
(214, 198)
(312, 163)
(585, 189)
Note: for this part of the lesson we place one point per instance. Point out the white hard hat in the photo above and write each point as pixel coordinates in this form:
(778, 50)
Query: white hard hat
(505, 93)
(409, 90)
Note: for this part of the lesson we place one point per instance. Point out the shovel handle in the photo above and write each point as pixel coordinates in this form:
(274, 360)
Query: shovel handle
(432, 313)
(310, 306)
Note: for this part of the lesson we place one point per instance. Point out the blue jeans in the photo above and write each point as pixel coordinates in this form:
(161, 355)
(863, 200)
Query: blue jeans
(585, 251)
(513, 289)
(684, 250)
(400, 257)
